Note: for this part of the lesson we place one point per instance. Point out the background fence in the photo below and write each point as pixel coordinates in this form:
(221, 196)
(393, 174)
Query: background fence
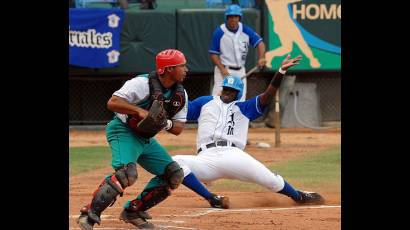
(88, 96)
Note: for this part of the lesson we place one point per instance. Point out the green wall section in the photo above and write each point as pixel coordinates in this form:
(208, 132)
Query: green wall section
(143, 35)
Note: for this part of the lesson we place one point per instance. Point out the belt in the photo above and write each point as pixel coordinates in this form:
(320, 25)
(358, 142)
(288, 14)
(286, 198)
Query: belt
(217, 143)
(235, 67)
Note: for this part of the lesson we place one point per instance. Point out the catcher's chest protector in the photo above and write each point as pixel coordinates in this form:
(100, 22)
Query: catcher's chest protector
(172, 105)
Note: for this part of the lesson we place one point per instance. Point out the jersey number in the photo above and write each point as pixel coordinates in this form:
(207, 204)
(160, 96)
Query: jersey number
(231, 125)
(230, 130)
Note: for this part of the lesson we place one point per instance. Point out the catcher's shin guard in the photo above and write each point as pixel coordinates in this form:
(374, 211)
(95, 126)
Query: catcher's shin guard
(149, 198)
(103, 197)
(134, 211)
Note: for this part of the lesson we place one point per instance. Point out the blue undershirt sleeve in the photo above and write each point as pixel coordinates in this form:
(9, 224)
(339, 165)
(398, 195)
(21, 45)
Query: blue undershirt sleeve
(251, 108)
(254, 38)
(215, 47)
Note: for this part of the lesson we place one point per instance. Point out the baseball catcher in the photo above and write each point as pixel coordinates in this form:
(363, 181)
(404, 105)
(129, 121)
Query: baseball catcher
(143, 106)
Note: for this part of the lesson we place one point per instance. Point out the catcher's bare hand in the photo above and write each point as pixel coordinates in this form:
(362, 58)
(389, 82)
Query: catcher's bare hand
(287, 63)
(261, 62)
(142, 113)
(224, 72)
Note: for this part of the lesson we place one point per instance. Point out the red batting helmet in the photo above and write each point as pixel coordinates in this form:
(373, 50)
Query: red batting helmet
(168, 58)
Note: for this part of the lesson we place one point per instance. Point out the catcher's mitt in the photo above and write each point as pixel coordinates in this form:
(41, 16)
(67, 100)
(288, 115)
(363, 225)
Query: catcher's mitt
(153, 123)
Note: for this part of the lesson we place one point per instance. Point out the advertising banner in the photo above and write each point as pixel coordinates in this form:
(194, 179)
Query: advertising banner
(311, 28)
(94, 37)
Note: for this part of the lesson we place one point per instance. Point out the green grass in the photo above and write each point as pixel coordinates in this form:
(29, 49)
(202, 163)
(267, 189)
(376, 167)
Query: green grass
(84, 159)
(321, 169)
(309, 172)
(235, 185)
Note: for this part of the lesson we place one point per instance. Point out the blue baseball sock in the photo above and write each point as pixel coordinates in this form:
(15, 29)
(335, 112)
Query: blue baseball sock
(195, 185)
(288, 190)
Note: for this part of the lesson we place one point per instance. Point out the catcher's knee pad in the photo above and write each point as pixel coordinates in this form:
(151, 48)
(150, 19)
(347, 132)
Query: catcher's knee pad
(174, 175)
(181, 162)
(104, 196)
(127, 175)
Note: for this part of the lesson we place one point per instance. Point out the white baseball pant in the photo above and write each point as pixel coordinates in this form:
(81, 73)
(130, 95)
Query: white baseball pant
(229, 163)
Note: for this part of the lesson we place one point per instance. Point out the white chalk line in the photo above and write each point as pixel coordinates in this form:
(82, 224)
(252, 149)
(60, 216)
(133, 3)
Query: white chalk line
(105, 228)
(202, 213)
(206, 212)
(158, 226)
(111, 217)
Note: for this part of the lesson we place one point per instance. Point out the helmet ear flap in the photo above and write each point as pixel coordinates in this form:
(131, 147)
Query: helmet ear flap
(239, 95)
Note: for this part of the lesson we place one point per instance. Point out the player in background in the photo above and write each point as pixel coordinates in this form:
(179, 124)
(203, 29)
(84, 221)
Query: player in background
(223, 123)
(229, 48)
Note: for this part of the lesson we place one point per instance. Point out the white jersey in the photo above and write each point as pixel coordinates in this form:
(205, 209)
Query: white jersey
(136, 91)
(232, 47)
(222, 121)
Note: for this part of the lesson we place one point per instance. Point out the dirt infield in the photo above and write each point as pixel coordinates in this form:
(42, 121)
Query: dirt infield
(249, 210)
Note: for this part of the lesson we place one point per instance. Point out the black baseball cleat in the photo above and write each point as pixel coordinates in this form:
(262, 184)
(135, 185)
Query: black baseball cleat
(310, 198)
(138, 219)
(217, 201)
(84, 221)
